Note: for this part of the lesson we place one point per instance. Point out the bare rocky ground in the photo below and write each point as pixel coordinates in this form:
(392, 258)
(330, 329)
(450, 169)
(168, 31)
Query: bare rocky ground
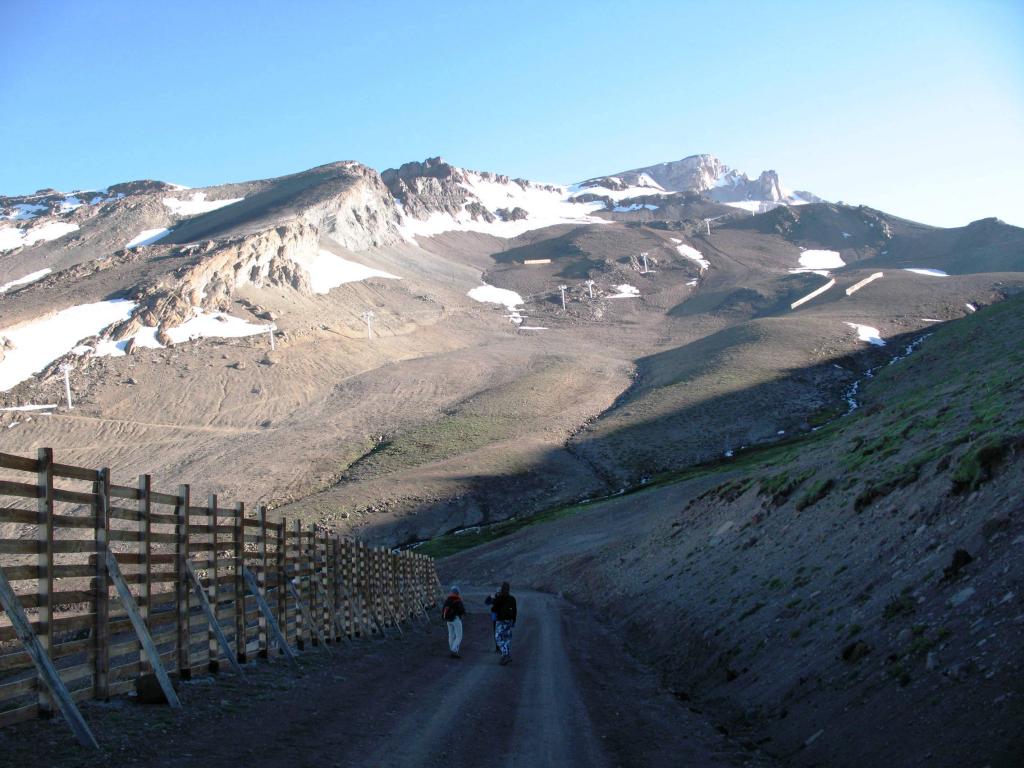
(572, 697)
(450, 418)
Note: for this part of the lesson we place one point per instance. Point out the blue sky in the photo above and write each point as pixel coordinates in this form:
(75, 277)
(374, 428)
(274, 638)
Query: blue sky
(916, 108)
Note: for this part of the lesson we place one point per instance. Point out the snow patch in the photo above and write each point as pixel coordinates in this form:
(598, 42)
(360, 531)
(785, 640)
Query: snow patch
(23, 212)
(29, 407)
(820, 259)
(545, 206)
(693, 254)
(327, 271)
(625, 291)
(25, 280)
(147, 237)
(68, 204)
(925, 271)
(492, 295)
(868, 334)
(757, 206)
(616, 194)
(12, 237)
(197, 204)
(38, 343)
(634, 207)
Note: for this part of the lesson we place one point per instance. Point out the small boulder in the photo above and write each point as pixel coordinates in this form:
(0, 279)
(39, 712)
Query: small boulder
(148, 690)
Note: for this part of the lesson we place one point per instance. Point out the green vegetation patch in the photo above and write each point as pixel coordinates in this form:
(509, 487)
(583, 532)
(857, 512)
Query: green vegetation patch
(815, 492)
(977, 466)
(781, 486)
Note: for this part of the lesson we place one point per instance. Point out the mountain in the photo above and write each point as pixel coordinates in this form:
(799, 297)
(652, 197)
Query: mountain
(704, 175)
(669, 321)
(434, 350)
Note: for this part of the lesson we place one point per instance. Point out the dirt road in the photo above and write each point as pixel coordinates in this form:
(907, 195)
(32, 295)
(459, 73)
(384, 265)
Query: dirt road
(570, 697)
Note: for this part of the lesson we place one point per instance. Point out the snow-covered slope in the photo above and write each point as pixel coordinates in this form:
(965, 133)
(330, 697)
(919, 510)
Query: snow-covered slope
(435, 197)
(702, 174)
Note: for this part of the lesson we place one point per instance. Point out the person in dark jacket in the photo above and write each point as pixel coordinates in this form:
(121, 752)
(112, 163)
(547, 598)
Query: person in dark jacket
(452, 612)
(504, 609)
(489, 600)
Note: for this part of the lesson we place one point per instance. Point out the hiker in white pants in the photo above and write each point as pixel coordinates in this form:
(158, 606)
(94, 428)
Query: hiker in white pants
(452, 613)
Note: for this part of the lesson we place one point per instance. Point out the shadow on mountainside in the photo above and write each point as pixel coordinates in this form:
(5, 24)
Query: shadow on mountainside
(851, 598)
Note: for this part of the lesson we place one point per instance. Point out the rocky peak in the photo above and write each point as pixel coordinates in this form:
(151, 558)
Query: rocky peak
(707, 175)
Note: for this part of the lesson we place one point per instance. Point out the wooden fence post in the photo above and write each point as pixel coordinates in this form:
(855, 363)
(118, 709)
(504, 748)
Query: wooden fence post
(261, 580)
(12, 606)
(131, 607)
(101, 635)
(211, 590)
(282, 577)
(239, 551)
(181, 590)
(300, 625)
(44, 561)
(282, 641)
(146, 556)
(211, 618)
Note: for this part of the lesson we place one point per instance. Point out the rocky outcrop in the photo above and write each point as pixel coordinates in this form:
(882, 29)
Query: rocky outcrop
(209, 281)
(435, 186)
(428, 187)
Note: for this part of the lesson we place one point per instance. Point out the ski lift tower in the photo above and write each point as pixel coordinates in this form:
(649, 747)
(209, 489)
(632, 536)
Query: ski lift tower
(707, 222)
(563, 289)
(368, 317)
(590, 287)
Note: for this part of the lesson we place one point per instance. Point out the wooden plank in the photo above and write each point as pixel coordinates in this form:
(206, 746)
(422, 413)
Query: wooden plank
(308, 618)
(44, 666)
(72, 497)
(165, 498)
(200, 593)
(301, 622)
(211, 590)
(254, 590)
(73, 521)
(146, 553)
(101, 632)
(72, 546)
(261, 579)
(238, 547)
(19, 547)
(22, 490)
(140, 630)
(10, 461)
(123, 513)
(22, 516)
(75, 473)
(282, 573)
(180, 587)
(124, 492)
(158, 519)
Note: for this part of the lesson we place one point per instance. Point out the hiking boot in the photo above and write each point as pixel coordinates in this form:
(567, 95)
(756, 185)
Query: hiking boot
(505, 660)
(455, 655)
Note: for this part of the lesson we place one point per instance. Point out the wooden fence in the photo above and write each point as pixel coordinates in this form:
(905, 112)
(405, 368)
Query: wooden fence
(207, 584)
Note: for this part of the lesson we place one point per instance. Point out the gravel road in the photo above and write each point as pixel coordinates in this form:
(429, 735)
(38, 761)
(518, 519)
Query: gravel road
(572, 696)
